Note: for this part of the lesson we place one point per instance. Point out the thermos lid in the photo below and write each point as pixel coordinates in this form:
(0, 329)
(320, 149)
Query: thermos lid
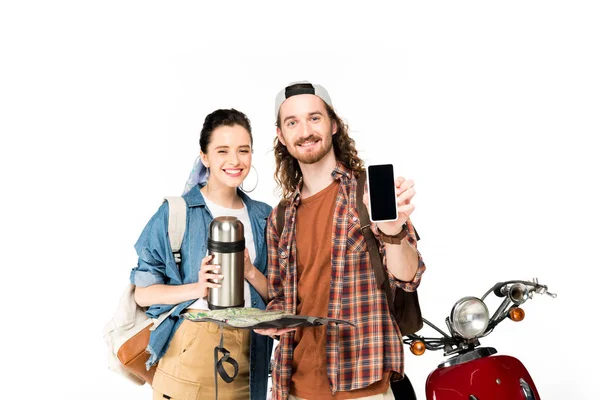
(226, 234)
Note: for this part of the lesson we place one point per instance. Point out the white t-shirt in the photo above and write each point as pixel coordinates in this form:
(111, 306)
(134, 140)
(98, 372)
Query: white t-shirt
(241, 214)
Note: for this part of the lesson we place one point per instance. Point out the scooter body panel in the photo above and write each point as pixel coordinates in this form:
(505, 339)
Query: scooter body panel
(494, 377)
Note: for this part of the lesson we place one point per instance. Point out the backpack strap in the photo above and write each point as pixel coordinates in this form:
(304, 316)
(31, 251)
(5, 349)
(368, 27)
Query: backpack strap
(365, 227)
(177, 222)
(372, 245)
(176, 229)
(280, 217)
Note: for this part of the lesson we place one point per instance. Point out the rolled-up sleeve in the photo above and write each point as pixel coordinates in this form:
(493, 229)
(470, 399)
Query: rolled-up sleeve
(274, 281)
(152, 249)
(407, 286)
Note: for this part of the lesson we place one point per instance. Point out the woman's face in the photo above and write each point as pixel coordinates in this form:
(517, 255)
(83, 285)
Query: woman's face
(229, 155)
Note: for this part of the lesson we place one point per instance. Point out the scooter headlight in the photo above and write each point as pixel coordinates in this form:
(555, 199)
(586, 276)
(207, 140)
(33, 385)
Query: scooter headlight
(469, 317)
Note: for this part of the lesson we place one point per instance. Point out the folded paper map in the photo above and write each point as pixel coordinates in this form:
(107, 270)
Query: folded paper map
(253, 318)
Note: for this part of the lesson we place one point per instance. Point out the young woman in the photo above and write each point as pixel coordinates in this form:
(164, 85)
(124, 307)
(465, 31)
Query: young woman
(184, 349)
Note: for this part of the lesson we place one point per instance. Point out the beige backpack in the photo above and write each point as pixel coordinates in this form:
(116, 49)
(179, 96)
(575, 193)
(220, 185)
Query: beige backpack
(128, 331)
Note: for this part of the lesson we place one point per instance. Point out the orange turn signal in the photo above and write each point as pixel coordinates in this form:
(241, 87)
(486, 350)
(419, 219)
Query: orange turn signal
(516, 314)
(417, 348)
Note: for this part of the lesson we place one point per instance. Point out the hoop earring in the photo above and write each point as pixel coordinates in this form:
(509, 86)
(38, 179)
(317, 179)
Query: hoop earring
(251, 190)
(205, 180)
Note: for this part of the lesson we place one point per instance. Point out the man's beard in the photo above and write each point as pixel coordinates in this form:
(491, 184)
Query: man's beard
(315, 156)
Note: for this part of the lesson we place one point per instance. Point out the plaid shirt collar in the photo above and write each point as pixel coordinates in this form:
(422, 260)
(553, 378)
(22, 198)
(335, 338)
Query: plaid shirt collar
(340, 172)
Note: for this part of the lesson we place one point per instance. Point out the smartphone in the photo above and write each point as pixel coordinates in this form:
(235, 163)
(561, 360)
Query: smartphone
(382, 193)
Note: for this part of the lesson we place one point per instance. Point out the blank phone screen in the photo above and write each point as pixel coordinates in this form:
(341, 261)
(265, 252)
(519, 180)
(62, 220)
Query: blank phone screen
(382, 192)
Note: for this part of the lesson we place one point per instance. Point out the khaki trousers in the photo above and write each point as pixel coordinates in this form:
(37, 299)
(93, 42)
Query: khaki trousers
(186, 371)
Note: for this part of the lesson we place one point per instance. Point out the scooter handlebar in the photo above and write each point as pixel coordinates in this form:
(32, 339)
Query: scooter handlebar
(499, 289)
(516, 292)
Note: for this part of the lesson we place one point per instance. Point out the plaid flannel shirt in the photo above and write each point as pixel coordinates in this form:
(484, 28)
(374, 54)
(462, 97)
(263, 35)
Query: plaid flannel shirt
(356, 356)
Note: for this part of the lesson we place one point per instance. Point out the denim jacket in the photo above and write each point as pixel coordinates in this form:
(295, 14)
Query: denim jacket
(156, 265)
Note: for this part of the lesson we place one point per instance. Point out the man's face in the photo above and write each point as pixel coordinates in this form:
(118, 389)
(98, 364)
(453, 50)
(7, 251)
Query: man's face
(306, 129)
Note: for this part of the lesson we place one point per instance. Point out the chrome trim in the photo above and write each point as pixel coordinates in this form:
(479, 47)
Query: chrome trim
(470, 356)
(519, 293)
(527, 392)
(471, 397)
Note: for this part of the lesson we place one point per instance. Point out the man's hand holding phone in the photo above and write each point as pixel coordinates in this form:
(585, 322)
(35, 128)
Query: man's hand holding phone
(379, 198)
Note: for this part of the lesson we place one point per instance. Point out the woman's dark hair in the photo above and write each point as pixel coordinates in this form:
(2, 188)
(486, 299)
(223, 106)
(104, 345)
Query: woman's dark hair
(219, 118)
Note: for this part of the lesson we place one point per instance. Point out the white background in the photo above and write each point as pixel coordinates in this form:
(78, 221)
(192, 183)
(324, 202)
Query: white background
(492, 108)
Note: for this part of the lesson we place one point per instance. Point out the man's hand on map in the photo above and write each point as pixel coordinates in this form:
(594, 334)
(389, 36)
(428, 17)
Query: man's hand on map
(274, 331)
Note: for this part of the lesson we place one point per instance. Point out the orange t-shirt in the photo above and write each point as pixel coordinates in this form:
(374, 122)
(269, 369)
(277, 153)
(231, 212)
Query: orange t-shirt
(314, 224)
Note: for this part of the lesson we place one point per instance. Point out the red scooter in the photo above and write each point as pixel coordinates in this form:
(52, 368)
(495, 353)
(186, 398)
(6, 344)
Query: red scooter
(473, 372)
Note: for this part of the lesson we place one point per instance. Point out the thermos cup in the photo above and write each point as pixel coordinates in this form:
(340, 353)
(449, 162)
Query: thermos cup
(226, 242)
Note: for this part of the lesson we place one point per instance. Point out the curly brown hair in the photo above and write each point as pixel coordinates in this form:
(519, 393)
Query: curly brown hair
(287, 170)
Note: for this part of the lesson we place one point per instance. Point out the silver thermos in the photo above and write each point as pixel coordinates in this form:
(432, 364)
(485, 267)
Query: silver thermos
(226, 241)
